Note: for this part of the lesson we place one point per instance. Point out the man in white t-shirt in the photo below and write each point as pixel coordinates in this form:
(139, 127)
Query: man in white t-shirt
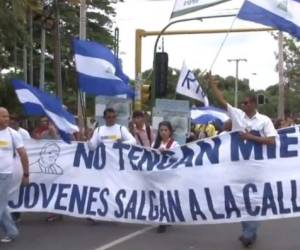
(10, 144)
(247, 120)
(14, 123)
(110, 132)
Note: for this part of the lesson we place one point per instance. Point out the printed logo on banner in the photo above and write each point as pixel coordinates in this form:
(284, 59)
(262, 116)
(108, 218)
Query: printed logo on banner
(46, 164)
(190, 78)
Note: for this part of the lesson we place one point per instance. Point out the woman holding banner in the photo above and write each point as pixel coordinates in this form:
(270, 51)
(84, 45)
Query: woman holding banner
(164, 141)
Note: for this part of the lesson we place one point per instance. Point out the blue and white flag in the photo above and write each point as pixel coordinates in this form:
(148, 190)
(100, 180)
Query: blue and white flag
(188, 85)
(36, 102)
(204, 115)
(99, 70)
(281, 14)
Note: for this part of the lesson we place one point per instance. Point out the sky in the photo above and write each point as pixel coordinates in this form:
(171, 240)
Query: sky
(198, 51)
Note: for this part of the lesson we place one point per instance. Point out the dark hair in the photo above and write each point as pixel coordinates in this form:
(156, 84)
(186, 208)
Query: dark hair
(158, 137)
(252, 98)
(108, 110)
(277, 123)
(138, 113)
(15, 117)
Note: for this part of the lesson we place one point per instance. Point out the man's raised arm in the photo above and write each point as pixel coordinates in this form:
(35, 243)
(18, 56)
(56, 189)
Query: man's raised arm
(216, 91)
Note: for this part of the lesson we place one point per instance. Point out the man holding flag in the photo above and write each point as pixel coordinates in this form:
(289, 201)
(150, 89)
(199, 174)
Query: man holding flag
(252, 126)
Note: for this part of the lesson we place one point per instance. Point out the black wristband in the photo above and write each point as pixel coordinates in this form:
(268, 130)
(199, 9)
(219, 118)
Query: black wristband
(26, 175)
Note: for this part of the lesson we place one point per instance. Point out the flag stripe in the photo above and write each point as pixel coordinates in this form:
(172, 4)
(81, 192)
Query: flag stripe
(25, 96)
(95, 67)
(270, 6)
(266, 12)
(218, 113)
(102, 86)
(50, 102)
(99, 70)
(93, 49)
(37, 102)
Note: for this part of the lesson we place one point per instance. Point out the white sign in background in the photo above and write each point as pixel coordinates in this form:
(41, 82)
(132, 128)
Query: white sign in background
(218, 180)
(182, 7)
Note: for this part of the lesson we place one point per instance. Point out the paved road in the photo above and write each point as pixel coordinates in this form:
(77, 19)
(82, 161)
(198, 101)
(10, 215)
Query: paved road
(79, 234)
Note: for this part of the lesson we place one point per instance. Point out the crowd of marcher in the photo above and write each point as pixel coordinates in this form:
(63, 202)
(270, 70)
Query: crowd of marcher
(139, 131)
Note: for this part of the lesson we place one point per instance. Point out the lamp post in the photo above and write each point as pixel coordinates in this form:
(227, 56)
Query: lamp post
(237, 61)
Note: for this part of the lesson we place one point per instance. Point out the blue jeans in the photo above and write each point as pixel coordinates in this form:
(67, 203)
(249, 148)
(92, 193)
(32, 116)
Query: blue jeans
(6, 221)
(249, 228)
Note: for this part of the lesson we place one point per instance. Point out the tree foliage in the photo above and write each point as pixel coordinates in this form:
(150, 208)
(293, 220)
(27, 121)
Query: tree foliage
(14, 35)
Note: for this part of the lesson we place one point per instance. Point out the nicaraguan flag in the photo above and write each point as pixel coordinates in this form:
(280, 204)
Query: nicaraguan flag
(204, 115)
(281, 14)
(36, 102)
(99, 71)
(189, 86)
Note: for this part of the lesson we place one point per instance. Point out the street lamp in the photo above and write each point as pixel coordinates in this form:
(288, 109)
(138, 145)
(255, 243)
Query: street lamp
(237, 61)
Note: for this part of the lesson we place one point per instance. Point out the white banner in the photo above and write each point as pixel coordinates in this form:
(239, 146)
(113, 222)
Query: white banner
(218, 180)
(182, 7)
(189, 86)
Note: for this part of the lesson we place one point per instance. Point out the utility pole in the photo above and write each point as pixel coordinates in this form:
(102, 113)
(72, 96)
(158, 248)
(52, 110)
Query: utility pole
(31, 47)
(42, 58)
(281, 77)
(57, 54)
(81, 96)
(237, 61)
(25, 78)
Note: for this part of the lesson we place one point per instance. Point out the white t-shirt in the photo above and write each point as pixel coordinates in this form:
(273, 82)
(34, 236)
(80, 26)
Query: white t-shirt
(10, 140)
(258, 122)
(110, 134)
(163, 145)
(24, 133)
(174, 144)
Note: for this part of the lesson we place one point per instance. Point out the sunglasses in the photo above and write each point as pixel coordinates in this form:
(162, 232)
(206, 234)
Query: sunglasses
(245, 102)
(110, 117)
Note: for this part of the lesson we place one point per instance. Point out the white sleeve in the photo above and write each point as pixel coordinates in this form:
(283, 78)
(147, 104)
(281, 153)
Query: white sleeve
(25, 134)
(127, 137)
(236, 115)
(17, 139)
(269, 129)
(233, 112)
(94, 141)
(174, 145)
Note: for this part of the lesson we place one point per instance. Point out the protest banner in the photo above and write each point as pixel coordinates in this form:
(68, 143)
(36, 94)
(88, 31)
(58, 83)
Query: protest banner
(217, 180)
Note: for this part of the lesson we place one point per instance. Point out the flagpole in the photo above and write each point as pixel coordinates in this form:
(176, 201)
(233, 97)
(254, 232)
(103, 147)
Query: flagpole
(281, 77)
(80, 95)
(153, 90)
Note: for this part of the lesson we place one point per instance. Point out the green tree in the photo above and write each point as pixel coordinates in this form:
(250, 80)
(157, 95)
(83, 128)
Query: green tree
(14, 27)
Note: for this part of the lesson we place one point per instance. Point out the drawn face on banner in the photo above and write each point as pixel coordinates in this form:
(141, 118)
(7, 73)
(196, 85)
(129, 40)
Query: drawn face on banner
(49, 154)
